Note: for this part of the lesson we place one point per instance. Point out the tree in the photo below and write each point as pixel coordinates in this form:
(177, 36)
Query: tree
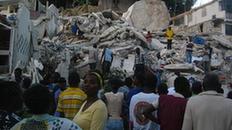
(177, 7)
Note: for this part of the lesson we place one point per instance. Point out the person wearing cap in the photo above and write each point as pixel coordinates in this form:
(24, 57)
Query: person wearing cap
(208, 110)
(93, 113)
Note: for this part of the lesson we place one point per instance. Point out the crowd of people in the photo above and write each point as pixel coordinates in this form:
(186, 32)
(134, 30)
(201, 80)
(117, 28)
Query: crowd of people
(137, 103)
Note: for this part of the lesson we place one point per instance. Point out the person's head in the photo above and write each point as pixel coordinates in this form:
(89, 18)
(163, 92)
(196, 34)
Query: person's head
(94, 45)
(73, 79)
(93, 82)
(139, 79)
(169, 27)
(115, 83)
(150, 81)
(163, 89)
(38, 99)
(10, 96)
(62, 83)
(128, 82)
(182, 86)
(158, 55)
(196, 87)
(55, 77)
(18, 73)
(26, 83)
(211, 82)
(137, 50)
(229, 95)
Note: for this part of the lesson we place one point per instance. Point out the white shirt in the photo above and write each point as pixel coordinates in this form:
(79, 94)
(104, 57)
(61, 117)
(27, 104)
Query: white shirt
(114, 104)
(93, 55)
(208, 111)
(138, 102)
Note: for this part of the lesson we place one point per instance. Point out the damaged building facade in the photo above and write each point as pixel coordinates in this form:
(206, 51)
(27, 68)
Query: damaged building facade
(207, 16)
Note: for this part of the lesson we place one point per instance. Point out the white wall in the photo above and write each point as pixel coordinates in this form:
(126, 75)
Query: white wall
(212, 9)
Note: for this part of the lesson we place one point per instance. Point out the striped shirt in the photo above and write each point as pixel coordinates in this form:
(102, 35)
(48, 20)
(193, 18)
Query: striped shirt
(70, 101)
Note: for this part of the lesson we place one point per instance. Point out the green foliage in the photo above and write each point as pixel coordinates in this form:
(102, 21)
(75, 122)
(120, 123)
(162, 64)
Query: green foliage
(177, 7)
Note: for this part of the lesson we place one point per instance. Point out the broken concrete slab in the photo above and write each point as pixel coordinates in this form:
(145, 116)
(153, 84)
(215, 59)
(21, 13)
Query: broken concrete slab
(151, 15)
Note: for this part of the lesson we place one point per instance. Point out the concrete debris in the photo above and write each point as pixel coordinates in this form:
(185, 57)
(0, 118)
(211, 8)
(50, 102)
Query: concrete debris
(66, 48)
(151, 15)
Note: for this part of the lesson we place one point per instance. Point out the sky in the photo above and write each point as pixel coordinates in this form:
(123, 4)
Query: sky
(200, 3)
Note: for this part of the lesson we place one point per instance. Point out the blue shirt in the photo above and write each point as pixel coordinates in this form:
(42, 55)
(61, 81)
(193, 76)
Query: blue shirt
(108, 55)
(133, 92)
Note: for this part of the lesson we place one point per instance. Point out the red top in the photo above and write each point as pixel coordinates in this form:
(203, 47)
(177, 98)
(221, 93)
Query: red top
(171, 112)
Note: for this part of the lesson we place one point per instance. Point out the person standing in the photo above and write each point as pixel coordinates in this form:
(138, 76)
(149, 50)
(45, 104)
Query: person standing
(149, 38)
(114, 100)
(209, 110)
(106, 59)
(93, 113)
(141, 100)
(93, 57)
(189, 51)
(38, 100)
(206, 60)
(139, 62)
(169, 35)
(10, 101)
(171, 108)
(72, 98)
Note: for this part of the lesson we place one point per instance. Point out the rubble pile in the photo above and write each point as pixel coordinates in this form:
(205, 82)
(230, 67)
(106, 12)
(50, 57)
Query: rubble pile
(79, 10)
(63, 50)
(106, 30)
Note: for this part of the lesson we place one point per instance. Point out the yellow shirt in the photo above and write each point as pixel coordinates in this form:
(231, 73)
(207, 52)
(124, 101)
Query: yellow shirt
(70, 101)
(169, 34)
(93, 118)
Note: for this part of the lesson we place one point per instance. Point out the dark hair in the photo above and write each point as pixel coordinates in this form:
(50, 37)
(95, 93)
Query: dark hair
(137, 50)
(140, 78)
(10, 96)
(19, 70)
(38, 99)
(211, 82)
(62, 80)
(229, 95)
(115, 83)
(182, 86)
(94, 45)
(73, 79)
(26, 83)
(128, 81)
(163, 89)
(150, 80)
(196, 87)
(55, 77)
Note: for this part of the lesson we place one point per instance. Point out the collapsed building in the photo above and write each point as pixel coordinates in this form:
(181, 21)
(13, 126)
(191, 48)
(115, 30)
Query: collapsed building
(46, 43)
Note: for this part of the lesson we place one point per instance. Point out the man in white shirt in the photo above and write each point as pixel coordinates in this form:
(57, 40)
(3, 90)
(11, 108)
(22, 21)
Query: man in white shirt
(93, 57)
(209, 110)
(140, 101)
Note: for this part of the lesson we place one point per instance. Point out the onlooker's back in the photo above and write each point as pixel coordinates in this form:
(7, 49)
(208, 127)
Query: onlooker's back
(10, 101)
(72, 98)
(209, 110)
(38, 100)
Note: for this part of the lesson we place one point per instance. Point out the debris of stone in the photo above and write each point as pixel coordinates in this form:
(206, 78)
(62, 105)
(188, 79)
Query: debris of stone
(151, 15)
